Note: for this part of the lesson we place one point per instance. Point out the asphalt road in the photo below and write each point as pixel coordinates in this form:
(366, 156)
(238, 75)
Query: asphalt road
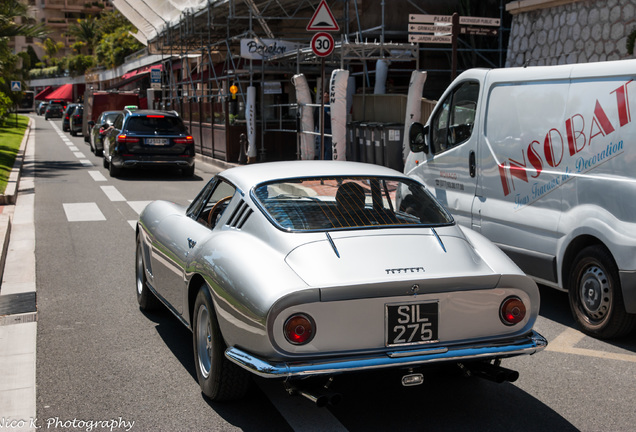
(99, 359)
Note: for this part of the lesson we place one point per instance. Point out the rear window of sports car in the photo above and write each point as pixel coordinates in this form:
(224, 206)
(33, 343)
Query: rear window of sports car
(327, 203)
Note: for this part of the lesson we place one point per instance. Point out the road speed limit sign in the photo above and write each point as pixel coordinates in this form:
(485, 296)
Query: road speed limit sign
(322, 44)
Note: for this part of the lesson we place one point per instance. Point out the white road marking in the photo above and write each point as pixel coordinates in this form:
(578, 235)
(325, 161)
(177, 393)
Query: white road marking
(112, 193)
(86, 162)
(133, 224)
(79, 155)
(97, 176)
(83, 212)
(566, 343)
(138, 206)
(73, 148)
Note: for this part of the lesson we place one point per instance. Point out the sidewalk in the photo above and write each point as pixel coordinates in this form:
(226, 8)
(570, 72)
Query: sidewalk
(18, 315)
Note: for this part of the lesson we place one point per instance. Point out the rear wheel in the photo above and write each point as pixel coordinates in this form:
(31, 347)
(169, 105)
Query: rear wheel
(188, 172)
(596, 298)
(219, 378)
(113, 171)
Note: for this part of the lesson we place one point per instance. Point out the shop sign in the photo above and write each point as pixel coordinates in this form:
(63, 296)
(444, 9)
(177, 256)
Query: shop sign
(259, 49)
(272, 87)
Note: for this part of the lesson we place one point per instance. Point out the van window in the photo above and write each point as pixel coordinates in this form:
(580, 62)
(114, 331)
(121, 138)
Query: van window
(453, 122)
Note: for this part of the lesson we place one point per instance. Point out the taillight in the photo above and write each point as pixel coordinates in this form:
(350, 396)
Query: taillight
(123, 139)
(184, 140)
(299, 329)
(512, 311)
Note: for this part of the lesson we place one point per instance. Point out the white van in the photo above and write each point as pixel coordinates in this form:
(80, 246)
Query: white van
(542, 161)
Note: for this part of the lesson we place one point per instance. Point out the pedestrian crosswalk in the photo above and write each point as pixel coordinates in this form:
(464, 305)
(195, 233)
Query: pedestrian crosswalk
(90, 211)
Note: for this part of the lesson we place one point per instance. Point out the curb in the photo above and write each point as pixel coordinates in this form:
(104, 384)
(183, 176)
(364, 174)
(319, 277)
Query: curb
(8, 199)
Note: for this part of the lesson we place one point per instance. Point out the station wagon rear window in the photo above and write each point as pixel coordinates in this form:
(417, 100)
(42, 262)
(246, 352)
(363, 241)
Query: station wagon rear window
(328, 203)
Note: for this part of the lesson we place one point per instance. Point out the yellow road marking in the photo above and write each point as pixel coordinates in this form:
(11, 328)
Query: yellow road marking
(566, 341)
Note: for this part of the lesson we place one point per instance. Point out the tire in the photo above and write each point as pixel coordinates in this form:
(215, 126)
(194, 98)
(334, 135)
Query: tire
(188, 172)
(73, 132)
(146, 298)
(596, 299)
(105, 162)
(219, 378)
(113, 171)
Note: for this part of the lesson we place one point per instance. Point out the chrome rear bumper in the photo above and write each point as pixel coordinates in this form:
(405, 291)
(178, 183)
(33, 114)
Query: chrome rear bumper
(528, 344)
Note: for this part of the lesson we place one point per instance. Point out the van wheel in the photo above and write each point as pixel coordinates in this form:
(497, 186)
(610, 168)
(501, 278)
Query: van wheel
(596, 299)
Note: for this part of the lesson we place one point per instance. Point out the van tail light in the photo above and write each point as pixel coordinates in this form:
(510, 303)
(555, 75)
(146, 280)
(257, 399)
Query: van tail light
(123, 139)
(512, 311)
(299, 329)
(184, 140)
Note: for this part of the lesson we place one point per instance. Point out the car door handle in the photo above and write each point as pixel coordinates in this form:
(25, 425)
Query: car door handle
(191, 243)
(472, 164)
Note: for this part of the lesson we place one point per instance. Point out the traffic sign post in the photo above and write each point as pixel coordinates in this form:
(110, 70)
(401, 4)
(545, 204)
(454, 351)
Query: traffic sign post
(322, 45)
(436, 29)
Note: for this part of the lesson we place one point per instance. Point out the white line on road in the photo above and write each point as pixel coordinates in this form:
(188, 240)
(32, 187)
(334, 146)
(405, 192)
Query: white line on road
(112, 193)
(138, 206)
(82, 212)
(566, 343)
(97, 176)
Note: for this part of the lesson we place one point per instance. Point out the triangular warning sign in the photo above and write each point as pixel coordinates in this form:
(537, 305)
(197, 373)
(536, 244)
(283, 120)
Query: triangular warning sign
(323, 19)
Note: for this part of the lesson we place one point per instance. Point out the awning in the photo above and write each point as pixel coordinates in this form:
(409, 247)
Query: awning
(42, 95)
(64, 92)
(143, 70)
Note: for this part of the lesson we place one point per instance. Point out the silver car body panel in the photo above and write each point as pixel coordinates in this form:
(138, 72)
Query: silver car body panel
(259, 274)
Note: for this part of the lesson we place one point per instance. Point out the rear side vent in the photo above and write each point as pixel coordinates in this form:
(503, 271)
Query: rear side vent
(241, 213)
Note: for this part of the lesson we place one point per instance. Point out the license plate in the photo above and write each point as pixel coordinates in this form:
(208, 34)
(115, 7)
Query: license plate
(411, 323)
(156, 141)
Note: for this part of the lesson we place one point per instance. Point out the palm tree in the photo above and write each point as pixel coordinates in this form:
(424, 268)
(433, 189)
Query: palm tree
(85, 31)
(12, 9)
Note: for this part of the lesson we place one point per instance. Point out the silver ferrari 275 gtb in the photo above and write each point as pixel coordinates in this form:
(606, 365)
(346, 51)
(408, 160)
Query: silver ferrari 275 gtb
(308, 269)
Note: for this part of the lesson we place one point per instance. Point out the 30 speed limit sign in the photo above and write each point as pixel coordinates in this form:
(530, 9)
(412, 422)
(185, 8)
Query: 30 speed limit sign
(322, 44)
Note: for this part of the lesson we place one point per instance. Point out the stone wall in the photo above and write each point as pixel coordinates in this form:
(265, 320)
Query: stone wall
(576, 32)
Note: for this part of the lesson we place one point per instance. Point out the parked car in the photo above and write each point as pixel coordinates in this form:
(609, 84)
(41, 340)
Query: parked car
(53, 111)
(41, 108)
(67, 117)
(304, 269)
(148, 138)
(98, 129)
(76, 120)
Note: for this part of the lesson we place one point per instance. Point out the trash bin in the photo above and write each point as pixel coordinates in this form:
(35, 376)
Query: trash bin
(352, 141)
(369, 144)
(378, 143)
(393, 142)
(361, 136)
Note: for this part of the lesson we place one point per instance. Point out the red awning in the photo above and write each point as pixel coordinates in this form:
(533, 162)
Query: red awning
(143, 70)
(42, 95)
(64, 92)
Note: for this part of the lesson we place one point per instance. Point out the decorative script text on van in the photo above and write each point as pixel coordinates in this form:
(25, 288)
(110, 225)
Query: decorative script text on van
(578, 134)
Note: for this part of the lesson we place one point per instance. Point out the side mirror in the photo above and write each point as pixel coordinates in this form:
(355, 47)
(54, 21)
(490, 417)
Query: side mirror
(418, 138)
(91, 123)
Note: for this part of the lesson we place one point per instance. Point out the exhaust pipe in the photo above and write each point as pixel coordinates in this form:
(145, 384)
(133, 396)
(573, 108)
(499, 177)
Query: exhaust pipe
(493, 372)
(321, 397)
